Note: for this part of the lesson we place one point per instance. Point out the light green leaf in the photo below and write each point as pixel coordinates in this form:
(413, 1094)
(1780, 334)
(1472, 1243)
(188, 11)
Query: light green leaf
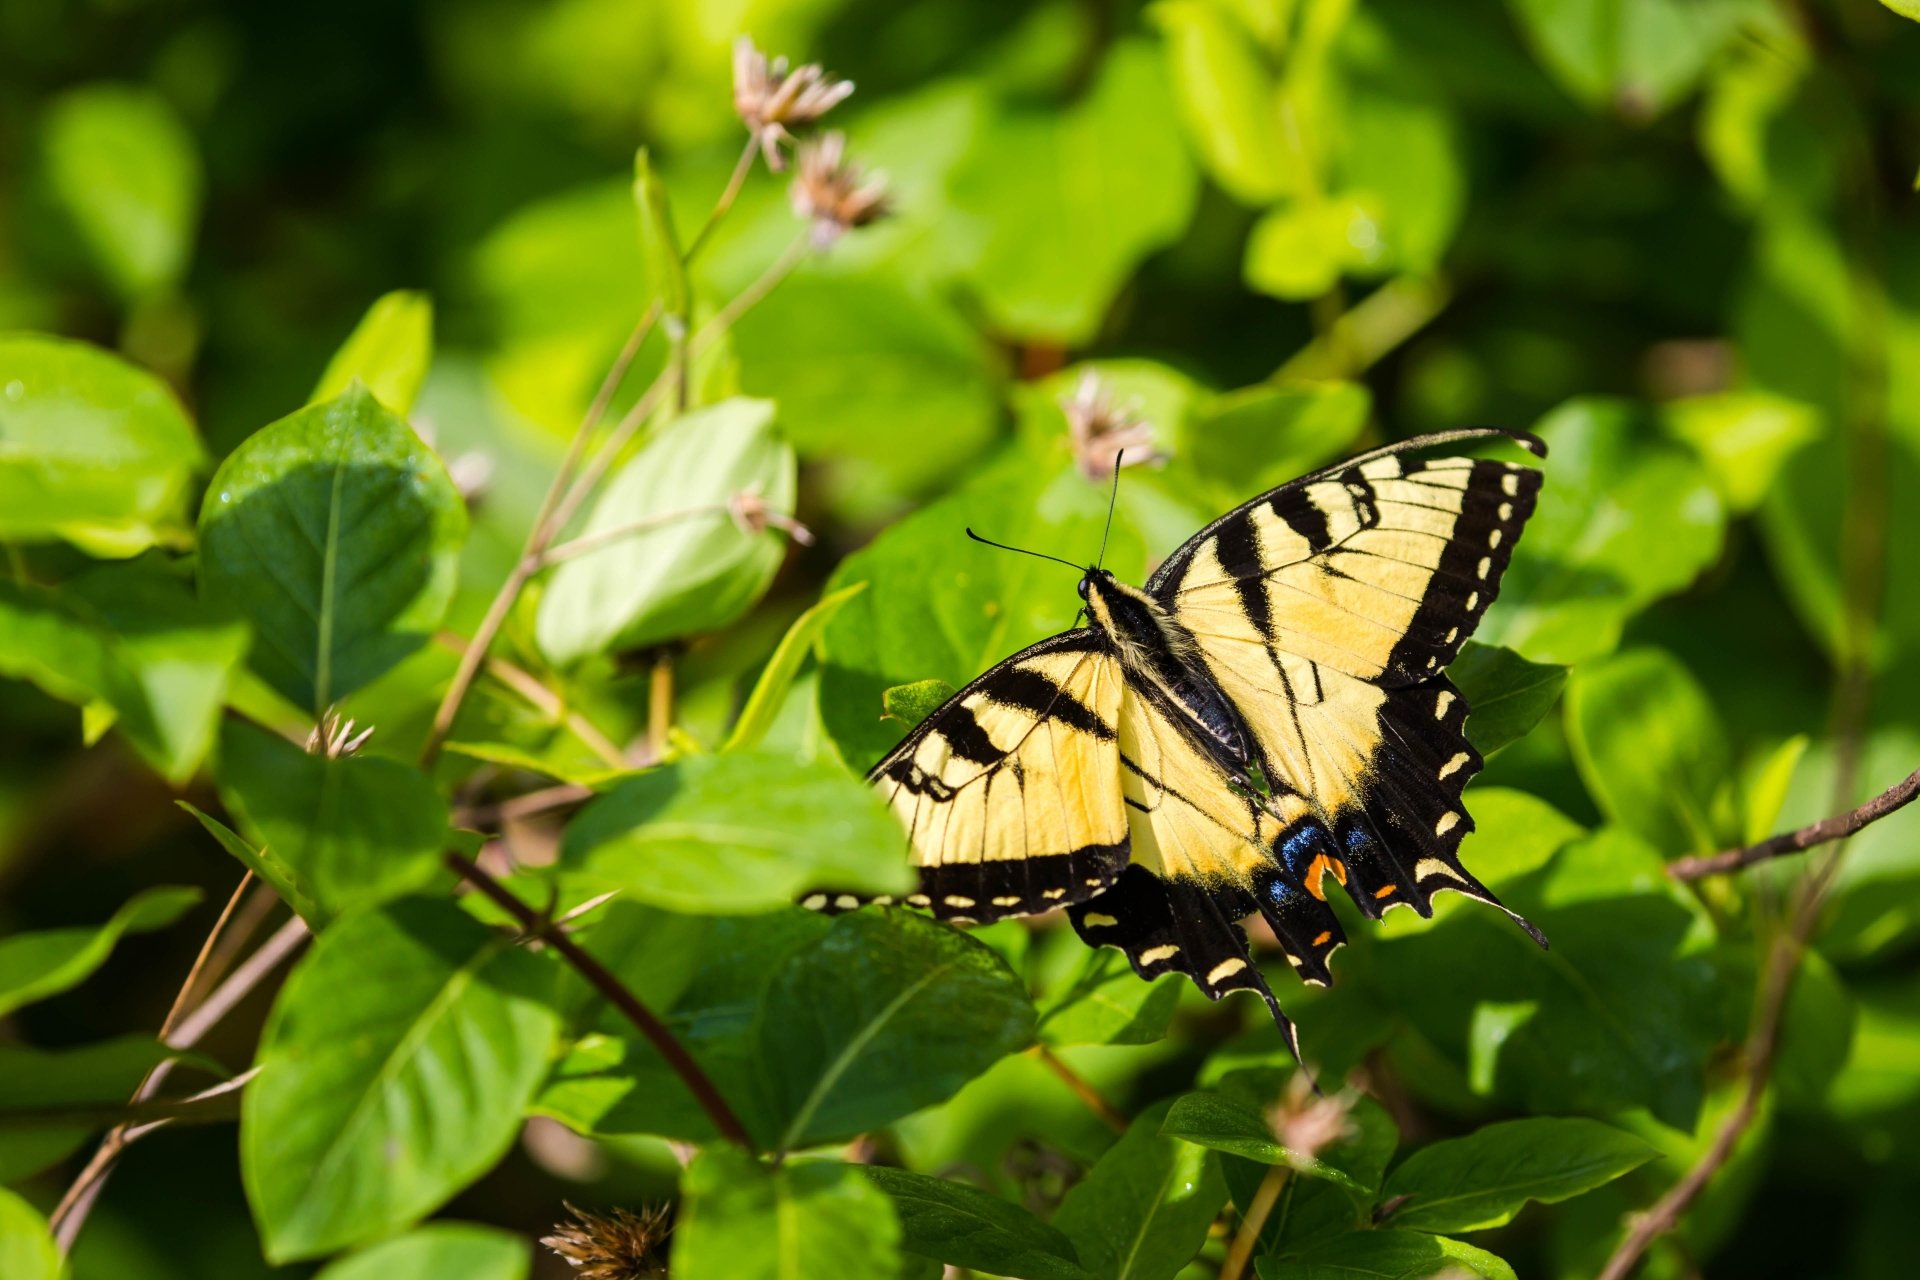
(1744, 437)
(36, 965)
(1260, 437)
(1385, 1255)
(123, 166)
(741, 1221)
(337, 533)
(1108, 1004)
(681, 837)
(1650, 748)
(1402, 164)
(27, 1250)
(776, 678)
(1143, 1211)
(932, 1009)
(389, 351)
(92, 449)
(1636, 57)
(1507, 694)
(966, 1227)
(1074, 199)
(1299, 250)
(35, 1082)
(1514, 833)
(1766, 788)
(1483, 1179)
(1228, 97)
(354, 830)
(1225, 1124)
(1905, 8)
(686, 575)
(659, 246)
(396, 1068)
(439, 1251)
(266, 864)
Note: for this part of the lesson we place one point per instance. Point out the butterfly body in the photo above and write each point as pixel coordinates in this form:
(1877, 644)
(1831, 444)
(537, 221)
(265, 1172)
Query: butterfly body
(1265, 723)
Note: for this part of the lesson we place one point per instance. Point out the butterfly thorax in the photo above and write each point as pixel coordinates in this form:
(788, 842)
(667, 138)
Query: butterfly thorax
(1163, 654)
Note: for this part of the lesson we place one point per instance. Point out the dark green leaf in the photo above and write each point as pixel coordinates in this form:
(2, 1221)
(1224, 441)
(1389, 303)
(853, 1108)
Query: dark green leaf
(741, 1221)
(1319, 1209)
(336, 532)
(34, 1082)
(1483, 1179)
(355, 830)
(1385, 1255)
(1635, 58)
(1211, 1120)
(396, 1067)
(27, 1250)
(389, 351)
(34, 966)
(92, 449)
(1143, 1211)
(964, 1226)
(929, 1010)
(1508, 695)
(290, 887)
(681, 837)
(695, 571)
(1108, 1004)
(777, 677)
(439, 1251)
(1650, 749)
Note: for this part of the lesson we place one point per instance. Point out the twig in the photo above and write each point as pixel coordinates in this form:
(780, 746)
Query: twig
(741, 167)
(1259, 1209)
(1374, 326)
(616, 993)
(1837, 827)
(1108, 1113)
(199, 965)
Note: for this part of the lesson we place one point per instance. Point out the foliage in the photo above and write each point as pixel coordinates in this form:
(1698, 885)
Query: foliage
(307, 427)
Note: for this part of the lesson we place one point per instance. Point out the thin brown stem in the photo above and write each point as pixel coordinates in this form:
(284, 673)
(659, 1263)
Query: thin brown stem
(1108, 1113)
(199, 965)
(1837, 827)
(1259, 1209)
(616, 993)
(594, 541)
(659, 706)
(741, 168)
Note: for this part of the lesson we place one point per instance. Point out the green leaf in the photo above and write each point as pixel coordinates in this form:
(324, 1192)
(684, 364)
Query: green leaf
(680, 836)
(1508, 695)
(27, 1250)
(850, 358)
(439, 1251)
(1224, 1124)
(776, 678)
(1624, 520)
(134, 649)
(1260, 437)
(396, 1068)
(741, 1221)
(966, 1227)
(388, 351)
(34, 1082)
(1108, 1004)
(1143, 1211)
(931, 1010)
(354, 830)
(1744, 437)
(1514, 833)
(1299, 251)
(659, 247)
(1403, 167)
(1766, 788)
(1483, 1179)
(1228, 99)
(1385, 1255)
(93, 450)
(686, 575)
(1074, 199)
(1318, 1208)
(34, 966)
(122, 165)
(285, 882)
(909, 704)
(337, 533)
(1650, 748)
(1636, 57)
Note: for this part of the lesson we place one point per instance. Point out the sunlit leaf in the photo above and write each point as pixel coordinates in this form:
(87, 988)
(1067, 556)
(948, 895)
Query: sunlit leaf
(1385, 1255)
(1109, 1004)
(741, 1221)
(1228, 98)
(1143, 1211)
(27, 1250)
(777, 677)
(439, 1251)
(1745, 438)
(1483, 1179)
(389, 351)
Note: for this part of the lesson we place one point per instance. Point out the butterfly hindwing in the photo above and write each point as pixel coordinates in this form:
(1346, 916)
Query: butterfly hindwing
(1010, 792)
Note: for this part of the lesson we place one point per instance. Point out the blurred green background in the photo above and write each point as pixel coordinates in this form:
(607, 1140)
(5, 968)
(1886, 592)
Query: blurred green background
(1684, 232)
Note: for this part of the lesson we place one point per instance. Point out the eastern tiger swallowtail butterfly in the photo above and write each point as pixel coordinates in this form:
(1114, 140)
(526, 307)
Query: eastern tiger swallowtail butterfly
(1269, 714)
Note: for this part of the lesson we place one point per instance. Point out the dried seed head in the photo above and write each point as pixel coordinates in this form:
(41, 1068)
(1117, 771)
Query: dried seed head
(613, 1244)
(1305, 1123)
(332, 739)
(751, 512)
(830, 192)
(772, 100)
(1102, 430)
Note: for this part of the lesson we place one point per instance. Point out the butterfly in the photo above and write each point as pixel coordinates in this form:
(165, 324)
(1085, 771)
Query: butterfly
(1267, 722)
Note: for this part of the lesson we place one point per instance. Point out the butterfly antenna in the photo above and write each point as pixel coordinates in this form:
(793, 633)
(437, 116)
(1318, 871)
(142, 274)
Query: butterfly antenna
(1112, 498)
(1041, 555)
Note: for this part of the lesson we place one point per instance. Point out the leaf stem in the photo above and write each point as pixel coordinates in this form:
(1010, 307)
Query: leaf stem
(1259, 1209)
(659, 705)
(1110, 1115)
(741, 167)
(616, 993)
(1837, 827)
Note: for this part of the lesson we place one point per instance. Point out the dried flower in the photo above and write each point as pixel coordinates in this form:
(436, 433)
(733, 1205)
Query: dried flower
(1305, 1123)
(332, 739)
(830, 191)
(613, 1244)
(772, 100)
(752, 514)
(1102, 430)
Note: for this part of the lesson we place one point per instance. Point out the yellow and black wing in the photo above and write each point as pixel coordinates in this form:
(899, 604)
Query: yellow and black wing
(1324, 611)
(1010, 792)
